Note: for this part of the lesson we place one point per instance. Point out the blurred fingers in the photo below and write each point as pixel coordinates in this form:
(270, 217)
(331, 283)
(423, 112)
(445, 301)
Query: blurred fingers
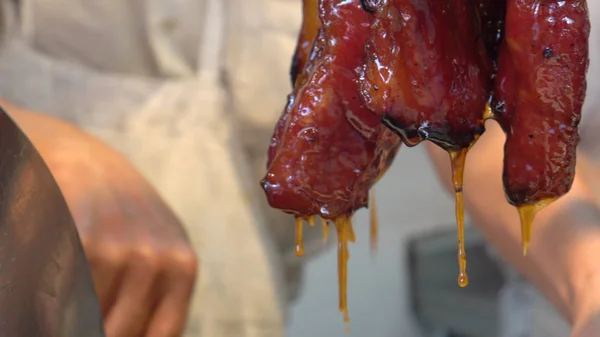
(136, 299)
(177, 285)
(107, 263)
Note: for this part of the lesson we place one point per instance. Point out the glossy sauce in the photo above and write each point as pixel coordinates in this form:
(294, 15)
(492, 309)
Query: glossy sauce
(325, 225)
(328, 149)
(428, 71)
(429, 81)
(538, 99)
(308, 34)
(488, 113)
(458, 159)
(299, 237)
(311, 220)
(527, 214)
(373, 222)
(345, 234)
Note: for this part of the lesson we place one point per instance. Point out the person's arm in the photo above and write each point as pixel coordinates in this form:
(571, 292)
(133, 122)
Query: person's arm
(143, 266)
(563, 258)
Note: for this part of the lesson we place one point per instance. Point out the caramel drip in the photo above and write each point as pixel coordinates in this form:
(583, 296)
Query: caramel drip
(310, 11)
(308, 34)
(374, 228)
(325, 225)
(345, 233)
(351, 234)
(488, 113)
(311, 220)
(527, 214)
(299, 245)
(458, 165)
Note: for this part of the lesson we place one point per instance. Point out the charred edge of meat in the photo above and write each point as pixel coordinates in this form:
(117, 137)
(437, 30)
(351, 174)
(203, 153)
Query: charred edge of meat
(409, 137)
(295, 69)
(519, 197)
(371, 6)
(443, 138)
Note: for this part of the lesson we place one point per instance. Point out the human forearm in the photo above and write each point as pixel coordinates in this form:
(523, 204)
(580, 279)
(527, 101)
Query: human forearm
(37, 126)
(47, 132)
(564, 233)
(131, 237)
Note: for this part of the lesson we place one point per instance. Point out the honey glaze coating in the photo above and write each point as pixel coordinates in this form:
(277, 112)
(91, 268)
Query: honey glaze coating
(313, 60)
(328, 149)
(308, 34)
(427, 73)
(538, 98)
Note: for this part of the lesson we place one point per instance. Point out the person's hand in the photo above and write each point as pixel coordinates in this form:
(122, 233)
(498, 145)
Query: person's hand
(142, 264)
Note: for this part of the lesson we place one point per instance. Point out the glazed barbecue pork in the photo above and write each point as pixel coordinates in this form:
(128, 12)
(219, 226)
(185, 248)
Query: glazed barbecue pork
(368, 75)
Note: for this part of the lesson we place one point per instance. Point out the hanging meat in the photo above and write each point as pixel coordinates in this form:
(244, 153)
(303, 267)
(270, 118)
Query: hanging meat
(370, 74)
(538, 99)
(428, 77)
(328, 149)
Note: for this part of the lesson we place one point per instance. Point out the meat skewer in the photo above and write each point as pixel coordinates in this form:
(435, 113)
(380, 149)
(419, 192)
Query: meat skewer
(428, 77)
(328, 149)
(538, 99)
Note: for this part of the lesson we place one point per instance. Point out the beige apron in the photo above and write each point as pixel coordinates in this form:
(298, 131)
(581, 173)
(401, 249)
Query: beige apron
(199, 137)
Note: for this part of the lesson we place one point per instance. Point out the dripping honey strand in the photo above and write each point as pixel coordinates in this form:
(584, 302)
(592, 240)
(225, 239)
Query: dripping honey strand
(458, 159)
(325, 226)
(373, 222)
(350, 231)
(299, 240)
(488, 113)
(344, 230)
(527, 215)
